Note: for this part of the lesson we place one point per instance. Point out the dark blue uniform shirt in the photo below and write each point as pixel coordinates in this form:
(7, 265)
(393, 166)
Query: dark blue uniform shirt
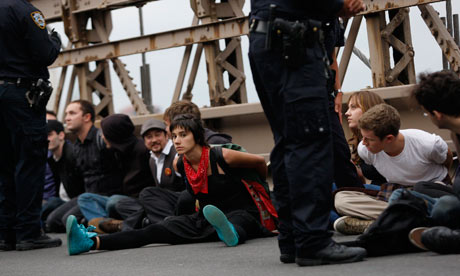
(297, 9)
(26, 49)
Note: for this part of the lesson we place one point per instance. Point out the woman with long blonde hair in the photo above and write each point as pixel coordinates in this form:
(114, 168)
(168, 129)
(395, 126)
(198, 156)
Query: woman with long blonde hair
(358, 103)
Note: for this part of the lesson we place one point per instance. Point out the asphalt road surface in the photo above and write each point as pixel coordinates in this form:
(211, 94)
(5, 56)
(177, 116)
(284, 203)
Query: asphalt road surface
(256, 257)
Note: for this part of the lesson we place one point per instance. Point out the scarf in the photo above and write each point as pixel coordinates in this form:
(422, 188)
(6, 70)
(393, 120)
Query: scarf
(198, 179)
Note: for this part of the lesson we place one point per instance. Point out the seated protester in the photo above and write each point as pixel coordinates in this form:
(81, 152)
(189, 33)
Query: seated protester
(187, 107)
(154, 203)
(159, 203)
(62, 164)
(228, 211)
(358, 104)
(117, 133)
(439, 95)
(403, 157)
(98, 166)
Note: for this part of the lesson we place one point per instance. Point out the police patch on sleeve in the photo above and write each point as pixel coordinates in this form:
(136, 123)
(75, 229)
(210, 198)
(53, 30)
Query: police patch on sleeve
(39, 19)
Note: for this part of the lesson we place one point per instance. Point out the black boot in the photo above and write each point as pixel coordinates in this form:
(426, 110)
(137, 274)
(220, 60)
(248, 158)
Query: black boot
(442, 240)
(43, 241)
(333, 254)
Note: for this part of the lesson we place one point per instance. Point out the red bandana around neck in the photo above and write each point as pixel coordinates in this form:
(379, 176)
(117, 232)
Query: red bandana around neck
(198, 179)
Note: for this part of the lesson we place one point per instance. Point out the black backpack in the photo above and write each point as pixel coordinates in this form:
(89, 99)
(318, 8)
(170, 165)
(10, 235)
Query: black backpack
(389, 234)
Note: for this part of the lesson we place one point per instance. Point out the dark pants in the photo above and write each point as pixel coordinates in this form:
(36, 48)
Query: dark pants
(297, 108)
(345, 174)
(155, 203)
(51, 204)
(56, 220)
(23, 149)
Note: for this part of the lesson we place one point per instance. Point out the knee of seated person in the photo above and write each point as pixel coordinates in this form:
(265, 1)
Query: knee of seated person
(395, 195)
(85, 197)
(339, 200)
(446, 211)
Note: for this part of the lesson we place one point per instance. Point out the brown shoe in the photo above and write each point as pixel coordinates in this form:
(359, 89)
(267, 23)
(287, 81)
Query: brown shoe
(110, 225)
(95, 222)
(351, 226)
(415, 237)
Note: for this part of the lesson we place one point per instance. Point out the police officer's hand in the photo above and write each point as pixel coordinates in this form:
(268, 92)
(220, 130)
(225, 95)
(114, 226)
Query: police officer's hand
(55, 36)
(351, 7)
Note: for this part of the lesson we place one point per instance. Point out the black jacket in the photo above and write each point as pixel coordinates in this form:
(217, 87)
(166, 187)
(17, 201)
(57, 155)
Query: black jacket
(65, 171)
(169, 179)
(99, 166)
(26, 49)
(135, 167)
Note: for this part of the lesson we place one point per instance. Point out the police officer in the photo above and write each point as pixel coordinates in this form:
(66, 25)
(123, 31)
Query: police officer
(290, 52)
(26, 49)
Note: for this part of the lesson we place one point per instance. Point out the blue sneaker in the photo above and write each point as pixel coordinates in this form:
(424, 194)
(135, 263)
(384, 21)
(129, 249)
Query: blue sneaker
(224, 228)
(78, 237)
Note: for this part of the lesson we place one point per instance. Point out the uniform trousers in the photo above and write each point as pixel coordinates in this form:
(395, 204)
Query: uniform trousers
(295, 102)
(23, 150)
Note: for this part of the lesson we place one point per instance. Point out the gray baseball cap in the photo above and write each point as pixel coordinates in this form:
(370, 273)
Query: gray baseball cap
(152, 123)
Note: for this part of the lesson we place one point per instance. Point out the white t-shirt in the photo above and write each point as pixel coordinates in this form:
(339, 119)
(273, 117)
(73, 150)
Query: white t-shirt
(420, 160)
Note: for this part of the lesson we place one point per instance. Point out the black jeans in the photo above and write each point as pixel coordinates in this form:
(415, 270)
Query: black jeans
(296, 105)
(23, 150)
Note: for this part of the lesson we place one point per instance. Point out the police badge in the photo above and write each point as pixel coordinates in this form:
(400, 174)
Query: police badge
(39, 19)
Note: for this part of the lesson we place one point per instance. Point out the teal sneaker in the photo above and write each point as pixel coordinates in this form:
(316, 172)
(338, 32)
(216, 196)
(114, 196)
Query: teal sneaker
(78, 237)
(224, 228)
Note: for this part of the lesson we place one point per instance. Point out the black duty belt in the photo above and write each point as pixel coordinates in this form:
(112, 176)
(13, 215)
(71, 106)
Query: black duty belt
(19, 82)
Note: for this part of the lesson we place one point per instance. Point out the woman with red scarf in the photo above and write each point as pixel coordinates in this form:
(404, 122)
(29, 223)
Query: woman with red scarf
(227, 210)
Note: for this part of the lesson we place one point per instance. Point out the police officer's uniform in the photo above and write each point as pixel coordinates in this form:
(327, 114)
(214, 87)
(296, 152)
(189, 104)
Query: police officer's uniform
(297, 104)
(26, 50)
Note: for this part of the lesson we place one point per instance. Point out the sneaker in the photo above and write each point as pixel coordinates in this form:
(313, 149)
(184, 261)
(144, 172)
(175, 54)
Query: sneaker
(333, 254)
(43, 241)
(441, 240)
(225, 229)
(95, 222)
(110, 225)
(78, 237)
(351, 226)
(415, 237)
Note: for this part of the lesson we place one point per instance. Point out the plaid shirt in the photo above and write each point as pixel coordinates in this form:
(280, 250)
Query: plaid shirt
(386, 189)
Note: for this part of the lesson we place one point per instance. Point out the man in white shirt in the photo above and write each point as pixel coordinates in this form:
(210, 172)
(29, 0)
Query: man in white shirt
(403, 157)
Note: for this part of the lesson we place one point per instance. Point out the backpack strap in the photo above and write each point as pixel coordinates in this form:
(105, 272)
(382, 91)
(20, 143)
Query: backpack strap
(217, 152)
(213, 158)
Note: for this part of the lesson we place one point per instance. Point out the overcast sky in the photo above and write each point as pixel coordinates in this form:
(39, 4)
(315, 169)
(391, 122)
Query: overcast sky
(164, 64)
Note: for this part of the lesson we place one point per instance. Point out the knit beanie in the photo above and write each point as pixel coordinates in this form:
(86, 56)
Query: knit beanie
(118, 129)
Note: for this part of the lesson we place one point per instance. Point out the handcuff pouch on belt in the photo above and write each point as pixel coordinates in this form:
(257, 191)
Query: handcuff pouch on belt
(39, 94)
(293, 38)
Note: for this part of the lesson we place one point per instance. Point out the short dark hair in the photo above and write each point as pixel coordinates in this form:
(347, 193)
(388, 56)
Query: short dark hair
(439, 91)
(190, 123)
(181, 107)
(87, 108)
(382, 119)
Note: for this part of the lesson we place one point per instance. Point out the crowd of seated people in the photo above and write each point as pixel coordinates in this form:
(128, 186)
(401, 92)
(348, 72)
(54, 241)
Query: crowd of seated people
(112, 181)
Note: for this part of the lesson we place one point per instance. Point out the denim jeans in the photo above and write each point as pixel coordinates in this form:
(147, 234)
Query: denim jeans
(443, 211)
(96, 206)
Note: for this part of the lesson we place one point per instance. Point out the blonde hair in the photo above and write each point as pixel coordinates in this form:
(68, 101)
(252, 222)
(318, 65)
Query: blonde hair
(365, 100)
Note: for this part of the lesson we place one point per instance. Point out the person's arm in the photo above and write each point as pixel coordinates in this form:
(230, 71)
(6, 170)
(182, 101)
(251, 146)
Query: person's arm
(238, 159)
(337, 86)
(351, 8)
(449, 159)
(43, 48)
